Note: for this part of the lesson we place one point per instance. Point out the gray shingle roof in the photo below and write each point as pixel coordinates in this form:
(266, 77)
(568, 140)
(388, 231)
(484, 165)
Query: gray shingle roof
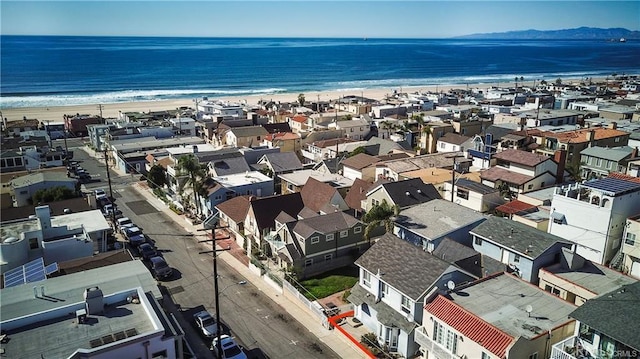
(248, 131)
(615, 314)
(474, 186)
(404, 266)
(609, 153)
(527, 240)
(283, 161)
(418, 192)
(452, 251)
(324, 224)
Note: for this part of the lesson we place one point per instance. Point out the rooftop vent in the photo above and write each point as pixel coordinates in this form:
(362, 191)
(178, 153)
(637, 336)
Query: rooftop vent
(94, 301)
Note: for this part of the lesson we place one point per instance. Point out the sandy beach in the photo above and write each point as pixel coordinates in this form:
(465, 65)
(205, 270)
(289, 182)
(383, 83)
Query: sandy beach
(111, 110)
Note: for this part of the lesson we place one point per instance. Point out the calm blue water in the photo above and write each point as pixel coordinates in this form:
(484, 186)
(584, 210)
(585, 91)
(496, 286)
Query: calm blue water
(59, 70)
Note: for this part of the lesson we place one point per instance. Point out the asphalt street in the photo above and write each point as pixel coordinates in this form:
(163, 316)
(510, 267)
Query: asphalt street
(262, 327)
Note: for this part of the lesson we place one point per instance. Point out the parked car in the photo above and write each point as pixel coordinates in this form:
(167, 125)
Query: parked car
(100, 193)
(146, 251)
(110, 211)
(84, 177)
(206, 323)
(159, 268)
(123, 223)
(230, 349)
(134, 236)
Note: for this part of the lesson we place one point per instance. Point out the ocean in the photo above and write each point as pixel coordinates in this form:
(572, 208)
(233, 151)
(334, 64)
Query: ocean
(63, 70)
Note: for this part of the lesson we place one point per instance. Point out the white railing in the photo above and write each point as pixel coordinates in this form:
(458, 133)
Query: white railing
(558, 349)
(435, 350)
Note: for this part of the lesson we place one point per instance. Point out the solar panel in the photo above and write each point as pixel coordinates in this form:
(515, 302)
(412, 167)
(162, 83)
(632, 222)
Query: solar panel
(613, 185)
(33, 271)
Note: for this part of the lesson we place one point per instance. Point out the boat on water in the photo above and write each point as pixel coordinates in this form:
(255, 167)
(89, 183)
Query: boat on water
(622, 39)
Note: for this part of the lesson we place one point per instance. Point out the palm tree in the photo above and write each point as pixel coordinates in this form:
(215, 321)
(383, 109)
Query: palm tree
(516, 79)
(301, 99)
(380, 215)
(190, 165)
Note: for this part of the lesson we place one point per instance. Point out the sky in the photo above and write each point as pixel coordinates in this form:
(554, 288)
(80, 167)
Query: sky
(371, 19)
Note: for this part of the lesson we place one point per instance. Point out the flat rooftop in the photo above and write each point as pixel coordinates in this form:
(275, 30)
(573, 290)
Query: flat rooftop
(592, 277)
(93, 221)
(47, 325)
(299, 178)
(502, 301)
(437, 218)
(15, 228)
(241, 179)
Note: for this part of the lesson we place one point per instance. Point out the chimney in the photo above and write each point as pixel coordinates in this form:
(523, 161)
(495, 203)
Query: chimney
(43, 214)
(195, 148)
(591, 135)
(560, 157)
(634, 152)
(613, 125)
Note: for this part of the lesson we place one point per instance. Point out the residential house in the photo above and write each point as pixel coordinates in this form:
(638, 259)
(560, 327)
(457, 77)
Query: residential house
(55, 239)
(357, 193)
(376, 146)
(605, 327)
(453, 142)
(498, 317)
(233, 213)
(471, 127)
(468, 259)
(13, 128)
(355, 129)
(222, 188)
(276, 164)
(76, 125)
(223, 162)
(24, 187)
(295, 181)
(593, 215)
(431, 135)
(184, 126)
(11, 161)
(473, 195)
(396, 168)
(362, 165)
(287, 141)
(322, 198)
(319, 243)
(631, 247)
(576, 141)
(106, 312)
(247, 136)
(429, 223)
(404, 194)
(481, 151)
(524, 249)
(395, 278)
(598, 162)
(298, 123)
(519, 171)
(319, 150)
(438, 176)
(578, 280)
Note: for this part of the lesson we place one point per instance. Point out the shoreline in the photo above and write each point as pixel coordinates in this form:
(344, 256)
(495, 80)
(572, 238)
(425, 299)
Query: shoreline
(111, 110)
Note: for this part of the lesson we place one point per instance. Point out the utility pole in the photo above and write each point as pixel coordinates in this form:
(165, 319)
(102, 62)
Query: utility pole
(100, 107)
(453, 174)
(212, 223)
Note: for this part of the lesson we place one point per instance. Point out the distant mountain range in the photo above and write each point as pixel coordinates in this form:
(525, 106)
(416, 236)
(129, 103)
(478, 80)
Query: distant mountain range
(580, 33)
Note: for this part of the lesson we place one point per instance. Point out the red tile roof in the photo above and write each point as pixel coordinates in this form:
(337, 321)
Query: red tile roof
(471, 326)
(580, 136)
(624, 177)
(300, 119)
(514, 207)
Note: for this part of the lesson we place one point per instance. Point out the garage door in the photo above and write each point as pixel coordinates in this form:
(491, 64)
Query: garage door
(635, 270)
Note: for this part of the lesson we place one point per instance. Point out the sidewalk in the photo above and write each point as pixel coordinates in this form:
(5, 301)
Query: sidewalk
(236, 258)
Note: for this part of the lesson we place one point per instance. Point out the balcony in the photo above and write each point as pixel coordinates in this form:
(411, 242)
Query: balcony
(570, 348)
(435, 350)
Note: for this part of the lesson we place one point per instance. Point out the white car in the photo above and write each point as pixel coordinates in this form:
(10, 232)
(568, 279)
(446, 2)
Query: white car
(124, 223)
(230, 349)
(205, 322)
(100, 193)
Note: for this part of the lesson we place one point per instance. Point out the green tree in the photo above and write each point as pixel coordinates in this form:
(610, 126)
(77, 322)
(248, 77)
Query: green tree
(380, 215)
(53, 194)
(157, 177)
(189, 165)
(356, 151)
(558, 81)
(301, 99)
(574, 171)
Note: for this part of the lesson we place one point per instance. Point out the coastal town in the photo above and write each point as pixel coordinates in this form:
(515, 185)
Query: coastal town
(464, 222)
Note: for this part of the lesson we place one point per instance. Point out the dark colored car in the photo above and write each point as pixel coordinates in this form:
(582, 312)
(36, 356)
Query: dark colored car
(146, 251)
(159, 268)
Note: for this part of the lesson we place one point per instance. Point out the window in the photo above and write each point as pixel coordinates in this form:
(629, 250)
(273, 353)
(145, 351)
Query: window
(478, 241)
(589, 160)
(159, 355)
(442, 145)
(598, 162)
(357, 229)
(315, 240)
(384, 289)
(329, 237)
(406, 304)
(33, 243)
(308, 262)
(617, 139)
(366, 279)
(344, 234)
(462, 193)
(530, 186)
(534, 356)
(586, 333)
(447, 338)
(389, 336)
(328, 257)
(452, 342)
(630, 239)
(438, 332)
(516, 259)
(485, 356)
(609, 164)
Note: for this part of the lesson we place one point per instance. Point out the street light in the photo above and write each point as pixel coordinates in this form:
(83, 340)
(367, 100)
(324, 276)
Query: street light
(211, 223)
